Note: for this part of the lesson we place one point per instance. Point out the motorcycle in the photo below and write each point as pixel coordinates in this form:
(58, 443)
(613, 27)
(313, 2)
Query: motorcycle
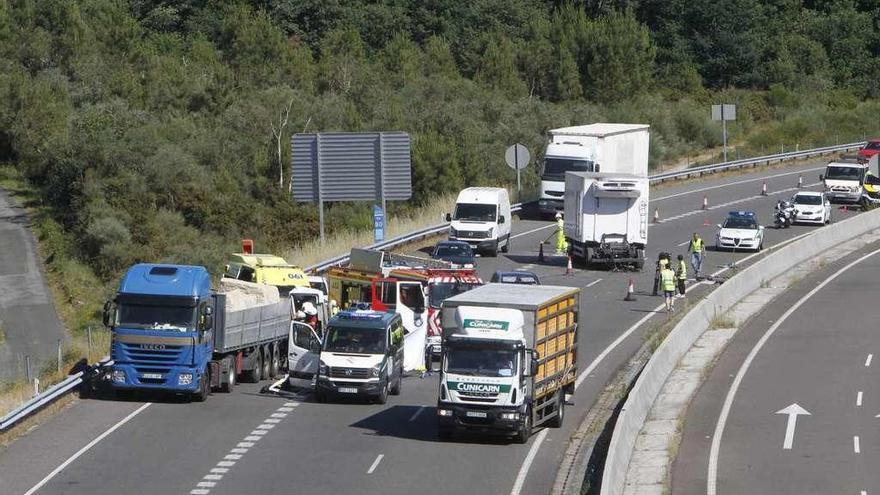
(784, 216)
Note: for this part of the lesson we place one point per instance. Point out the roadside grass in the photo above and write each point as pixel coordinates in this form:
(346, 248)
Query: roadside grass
(720, 321)
(2, 336)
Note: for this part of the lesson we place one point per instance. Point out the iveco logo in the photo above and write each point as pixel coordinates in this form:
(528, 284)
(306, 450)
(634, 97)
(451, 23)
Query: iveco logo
(153, 347)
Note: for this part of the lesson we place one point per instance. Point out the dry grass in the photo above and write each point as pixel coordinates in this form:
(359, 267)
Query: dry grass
(720, 321)
(342, 242)
(2, 336)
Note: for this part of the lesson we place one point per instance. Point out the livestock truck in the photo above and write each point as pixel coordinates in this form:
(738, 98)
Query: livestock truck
(509, 359)
(172, 333)
(601, 147)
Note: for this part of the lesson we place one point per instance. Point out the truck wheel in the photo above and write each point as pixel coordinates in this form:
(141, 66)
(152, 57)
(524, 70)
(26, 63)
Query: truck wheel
(395, 390)
(204, 388)
(275, 363)
(227, 386)
(556, 421)
(445, 433)
(588, 257)
(267, 362)
(522, 436)
(254, 375)
(383, 394)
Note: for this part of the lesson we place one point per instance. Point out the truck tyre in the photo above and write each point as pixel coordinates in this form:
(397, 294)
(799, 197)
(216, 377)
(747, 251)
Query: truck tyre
(556, 421)
(382, 397)
(267, 362)
(254, 375)
(227, 386)
(395, 390)
(445, 433)
(204, 388)
(588, 257)
(275, 363)
(640, 254)
(523, 434)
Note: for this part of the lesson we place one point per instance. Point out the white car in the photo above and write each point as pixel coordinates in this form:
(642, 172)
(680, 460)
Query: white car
(740, 231)
(811, 207)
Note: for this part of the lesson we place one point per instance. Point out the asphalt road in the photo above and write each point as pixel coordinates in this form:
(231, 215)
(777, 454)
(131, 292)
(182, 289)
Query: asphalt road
(361, 448)
(820, 358)
(27, 314)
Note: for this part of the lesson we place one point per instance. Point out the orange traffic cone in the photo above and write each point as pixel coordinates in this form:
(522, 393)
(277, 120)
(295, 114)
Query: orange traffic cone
(629, 291)
(706, 222)
(764, 188)
(656, 215)
(569, 270)
(705, 202)
(800, 181)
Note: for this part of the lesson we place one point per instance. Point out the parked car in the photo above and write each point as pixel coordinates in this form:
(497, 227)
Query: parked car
(740, 231)
(516, 277)
(459, 253)
(871, 148)
(811, 207)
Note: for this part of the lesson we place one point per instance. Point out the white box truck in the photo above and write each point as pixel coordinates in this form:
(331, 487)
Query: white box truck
(618, 148)
(606, 218)
(509, 358)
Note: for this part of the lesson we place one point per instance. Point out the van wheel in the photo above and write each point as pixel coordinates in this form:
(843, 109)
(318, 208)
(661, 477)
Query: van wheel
(556, 421)
(321, 397)
(383, 394)
(506, 247)
(445, 433)
(204, 388)
(254, 375)
(523, 434)
(395, 390)
(275, 363)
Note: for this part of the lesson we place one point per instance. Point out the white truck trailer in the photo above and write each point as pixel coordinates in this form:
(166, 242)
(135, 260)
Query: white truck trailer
(509, 358)
(619, 148)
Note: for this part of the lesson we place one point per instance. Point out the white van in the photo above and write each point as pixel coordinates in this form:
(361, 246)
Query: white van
(482, 219)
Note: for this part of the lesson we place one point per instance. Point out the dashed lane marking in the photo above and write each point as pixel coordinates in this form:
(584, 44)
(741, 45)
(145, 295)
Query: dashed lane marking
(375, 464)
(235, 454)
(859, 399)
(720, 186)
(868, 361)
(416, 414)
(594, 282)
(856, 448)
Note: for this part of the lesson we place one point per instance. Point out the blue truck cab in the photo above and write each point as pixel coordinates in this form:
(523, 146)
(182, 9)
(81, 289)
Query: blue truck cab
(161, 323)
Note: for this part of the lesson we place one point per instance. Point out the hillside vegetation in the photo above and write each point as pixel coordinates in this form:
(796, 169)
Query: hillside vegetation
(159, 130)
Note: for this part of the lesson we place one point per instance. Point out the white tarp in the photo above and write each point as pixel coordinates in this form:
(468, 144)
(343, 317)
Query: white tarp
(414, 348)
(243, 295)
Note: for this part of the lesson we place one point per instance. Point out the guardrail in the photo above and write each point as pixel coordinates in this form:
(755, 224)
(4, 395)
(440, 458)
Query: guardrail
(656, 178)
(50, 394)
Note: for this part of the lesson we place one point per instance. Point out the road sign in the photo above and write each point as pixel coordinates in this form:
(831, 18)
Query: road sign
(378, 223)
(724, 113)
(517, 157)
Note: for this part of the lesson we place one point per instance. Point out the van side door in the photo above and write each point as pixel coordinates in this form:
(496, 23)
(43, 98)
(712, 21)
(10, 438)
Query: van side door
(304, 349)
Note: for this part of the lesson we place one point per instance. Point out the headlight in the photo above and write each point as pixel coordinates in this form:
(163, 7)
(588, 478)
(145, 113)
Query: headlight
(118, 376)
(184, 378)
(444, 412)
(509, 416)
(374, 371)
(490, 231)
(322, 368)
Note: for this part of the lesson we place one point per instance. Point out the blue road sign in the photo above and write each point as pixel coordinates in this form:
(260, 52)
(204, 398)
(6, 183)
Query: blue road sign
(378, 223)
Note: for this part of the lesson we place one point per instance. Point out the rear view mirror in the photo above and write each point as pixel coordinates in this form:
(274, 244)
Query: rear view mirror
(106, 317)
(821, 176)
(501, 219)
(718, 225)
(533, 369)
(448, 217)
(208, 322)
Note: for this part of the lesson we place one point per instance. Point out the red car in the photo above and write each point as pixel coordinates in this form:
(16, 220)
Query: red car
(871, 148)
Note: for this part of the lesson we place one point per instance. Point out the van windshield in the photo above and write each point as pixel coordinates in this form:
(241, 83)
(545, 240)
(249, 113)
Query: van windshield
(357, 340)
(555, 168)
(475, 212)
(844, 173)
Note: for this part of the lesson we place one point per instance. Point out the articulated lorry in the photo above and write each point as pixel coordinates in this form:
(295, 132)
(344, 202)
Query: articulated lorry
(172, 333)
(509, 359)
(619, 148)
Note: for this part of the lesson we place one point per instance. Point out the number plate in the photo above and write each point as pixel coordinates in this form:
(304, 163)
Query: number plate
(157, 376)
(348, 390)
(475, 414)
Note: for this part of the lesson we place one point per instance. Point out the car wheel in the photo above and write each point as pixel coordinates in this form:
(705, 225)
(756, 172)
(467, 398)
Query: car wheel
(395, 390)
(445, 433)
(275, 363)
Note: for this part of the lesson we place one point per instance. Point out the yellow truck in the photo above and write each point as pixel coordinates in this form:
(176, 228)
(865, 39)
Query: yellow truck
(265, 269)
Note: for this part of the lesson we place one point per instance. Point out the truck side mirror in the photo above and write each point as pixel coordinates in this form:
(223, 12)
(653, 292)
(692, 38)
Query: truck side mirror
(821, 177)
(106, 317)
(501, 219)
(448, 217)
(533, 365)
(718, 225)
(596, 168)
(208, 322)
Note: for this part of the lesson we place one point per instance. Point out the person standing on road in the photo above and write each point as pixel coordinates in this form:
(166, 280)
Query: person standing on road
(667, 281)
(662, 262)
(681, 276)
(696, 249)
(561, 244)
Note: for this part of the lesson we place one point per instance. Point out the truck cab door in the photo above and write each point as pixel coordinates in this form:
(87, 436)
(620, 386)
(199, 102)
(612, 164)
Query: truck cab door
(304, 348)
(413, 310)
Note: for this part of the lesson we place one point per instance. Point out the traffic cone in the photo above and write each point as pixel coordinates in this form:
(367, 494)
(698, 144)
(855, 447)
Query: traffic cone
(541, 252)
(656, 215)
(569, 270)
(705, 202)
(629, 291)
(706, 222)
(800, 181)
(764, 188)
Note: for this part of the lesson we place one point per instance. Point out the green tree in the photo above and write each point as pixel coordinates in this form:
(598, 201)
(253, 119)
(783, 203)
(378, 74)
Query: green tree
(618, 58)
(497, 67)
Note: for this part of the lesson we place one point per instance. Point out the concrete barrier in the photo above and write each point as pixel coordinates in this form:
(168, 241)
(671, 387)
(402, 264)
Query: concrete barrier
(664, 360)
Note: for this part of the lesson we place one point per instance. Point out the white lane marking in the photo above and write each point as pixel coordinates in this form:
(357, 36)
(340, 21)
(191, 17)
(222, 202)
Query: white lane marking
(375, 464)
(252, 438)
(712, 479)
(206, 484)
(527, 463)
(685, 243)
(220, 470)
(226, 463)
(416, 414)
(259, 432)
(792, 411)
(533, 230)
(856, 448)
(232, 457)
(685, 193)
(868, 361)
(245, 445)
(86, 448)
(265, 427)
(271, 421)
(864, 492)
(213, 477)
(279, 415)
(594, 282)
(859, 399)
(285, 409)
(200, 491)
(238, 450)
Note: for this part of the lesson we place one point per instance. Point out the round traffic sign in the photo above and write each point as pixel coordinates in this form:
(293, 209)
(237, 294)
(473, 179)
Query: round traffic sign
(517, 156)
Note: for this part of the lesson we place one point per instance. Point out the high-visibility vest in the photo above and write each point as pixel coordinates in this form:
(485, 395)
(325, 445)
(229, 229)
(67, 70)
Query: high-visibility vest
(682, 270)
(697, 245)
(667, 279)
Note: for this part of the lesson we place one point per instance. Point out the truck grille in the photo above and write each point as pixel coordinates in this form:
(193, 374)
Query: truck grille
(478, 399)
(149, 360)
(470, 234)
(359, 373)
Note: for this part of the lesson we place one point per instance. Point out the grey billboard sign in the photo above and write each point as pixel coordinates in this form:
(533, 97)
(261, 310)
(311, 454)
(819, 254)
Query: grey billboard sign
(350, 166)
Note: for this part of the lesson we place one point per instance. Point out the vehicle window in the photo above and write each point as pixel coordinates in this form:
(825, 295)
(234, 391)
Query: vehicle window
(843, 173)
(156, 317)
(412, 297)
(454, 250)
(232, 271)
(388, 293)
(518, 279)
(804, 199)
(356, 340)
(443, 290)
(873, 145)
(557, 167)
(475, 212)
(301, 336)
(740, 223)
(247, 274)
(481, 362)
(352, 292)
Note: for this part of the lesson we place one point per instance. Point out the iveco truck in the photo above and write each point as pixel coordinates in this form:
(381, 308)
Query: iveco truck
(509, 359)
(617, 148)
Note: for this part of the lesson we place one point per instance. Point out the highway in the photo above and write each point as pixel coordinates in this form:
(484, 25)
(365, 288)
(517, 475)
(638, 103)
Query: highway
(164, 446)
(804, 404)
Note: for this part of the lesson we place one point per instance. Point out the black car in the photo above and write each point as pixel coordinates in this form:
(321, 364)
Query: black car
(459, 253)
(516, 277)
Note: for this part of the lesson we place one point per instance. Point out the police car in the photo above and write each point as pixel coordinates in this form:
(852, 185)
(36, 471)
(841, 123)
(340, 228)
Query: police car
(740, 231)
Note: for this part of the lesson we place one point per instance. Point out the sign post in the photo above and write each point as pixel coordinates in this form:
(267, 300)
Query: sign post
(724, 113)
(378, 223)
(517, 157)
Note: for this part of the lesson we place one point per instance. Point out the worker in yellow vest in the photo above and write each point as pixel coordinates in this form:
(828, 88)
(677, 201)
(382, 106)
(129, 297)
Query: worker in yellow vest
(561, 243)
(681, 275)
(667, 282)
(696, 248)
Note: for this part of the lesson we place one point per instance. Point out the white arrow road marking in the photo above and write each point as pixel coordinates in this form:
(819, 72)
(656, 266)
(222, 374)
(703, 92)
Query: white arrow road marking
(793, 411)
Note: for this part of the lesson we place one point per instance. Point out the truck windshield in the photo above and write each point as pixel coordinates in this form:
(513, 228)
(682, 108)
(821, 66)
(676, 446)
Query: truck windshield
(177, 318)
(843, 173)
(481, 362)
(441, 291)
(356, 340)
(475, 212)
(555, 168)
